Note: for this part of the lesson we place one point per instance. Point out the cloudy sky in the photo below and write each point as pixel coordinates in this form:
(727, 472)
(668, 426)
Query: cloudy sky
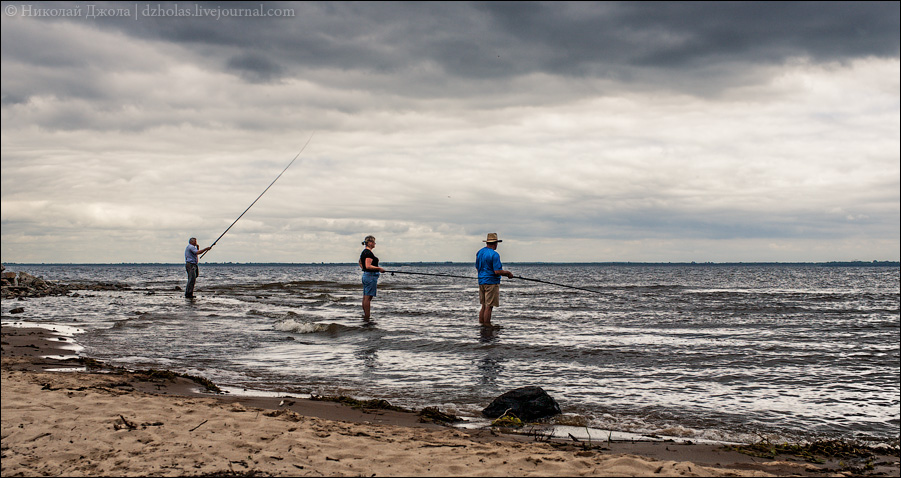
(577, 131)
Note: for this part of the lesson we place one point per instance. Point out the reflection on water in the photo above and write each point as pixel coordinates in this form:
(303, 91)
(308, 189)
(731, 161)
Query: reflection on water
(368, 352)
(488, 334)
(490, 365)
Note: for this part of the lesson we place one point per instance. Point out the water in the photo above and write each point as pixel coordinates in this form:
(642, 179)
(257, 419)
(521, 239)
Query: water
(727, 353)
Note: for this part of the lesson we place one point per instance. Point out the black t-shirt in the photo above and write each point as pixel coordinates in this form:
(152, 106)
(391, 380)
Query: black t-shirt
(367, 254)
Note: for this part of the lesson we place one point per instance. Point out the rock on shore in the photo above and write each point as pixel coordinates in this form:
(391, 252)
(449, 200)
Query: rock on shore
(526, 403)
(22, 284)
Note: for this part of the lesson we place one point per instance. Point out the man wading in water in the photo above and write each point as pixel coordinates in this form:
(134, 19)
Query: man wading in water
(191, 265)
(488, 263)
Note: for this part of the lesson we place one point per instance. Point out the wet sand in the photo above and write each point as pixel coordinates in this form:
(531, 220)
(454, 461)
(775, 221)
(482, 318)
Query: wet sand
(80, 423)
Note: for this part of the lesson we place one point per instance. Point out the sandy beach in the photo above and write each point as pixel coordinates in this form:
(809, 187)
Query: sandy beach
(79, 423)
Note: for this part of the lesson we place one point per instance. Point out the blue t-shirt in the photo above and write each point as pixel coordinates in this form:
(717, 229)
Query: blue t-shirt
(488, 261)
(191, 254)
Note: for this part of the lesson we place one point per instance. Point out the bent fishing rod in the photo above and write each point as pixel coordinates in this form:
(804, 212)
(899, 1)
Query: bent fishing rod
(261, 194)
(514, 277)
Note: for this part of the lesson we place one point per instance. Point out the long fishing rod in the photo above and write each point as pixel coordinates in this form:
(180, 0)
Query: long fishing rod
(428, 274)
(558, 285)
(515, 277)
(261, 194)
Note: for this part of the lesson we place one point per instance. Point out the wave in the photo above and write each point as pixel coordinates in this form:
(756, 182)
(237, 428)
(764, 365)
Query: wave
(293, 287)
(302, 326)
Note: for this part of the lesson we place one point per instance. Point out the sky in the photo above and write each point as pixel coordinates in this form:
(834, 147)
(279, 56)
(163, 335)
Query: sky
(578, 132)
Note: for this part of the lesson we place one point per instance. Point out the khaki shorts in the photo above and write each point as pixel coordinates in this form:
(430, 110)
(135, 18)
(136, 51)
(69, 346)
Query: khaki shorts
(490, 294)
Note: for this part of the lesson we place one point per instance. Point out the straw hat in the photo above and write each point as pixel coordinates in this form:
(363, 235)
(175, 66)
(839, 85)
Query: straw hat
(492, 237)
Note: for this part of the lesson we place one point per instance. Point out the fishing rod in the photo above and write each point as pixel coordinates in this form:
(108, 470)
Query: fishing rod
(558, 285)
(428, 274)
(515, 277)
(261, 194)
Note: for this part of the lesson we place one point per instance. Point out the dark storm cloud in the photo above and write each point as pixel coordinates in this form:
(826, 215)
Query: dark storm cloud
(507, 39)
(680, 35)
(763, 131)
(254, 67)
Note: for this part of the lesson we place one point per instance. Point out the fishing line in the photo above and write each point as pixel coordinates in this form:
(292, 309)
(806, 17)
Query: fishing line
(261, 194)
(515, 277)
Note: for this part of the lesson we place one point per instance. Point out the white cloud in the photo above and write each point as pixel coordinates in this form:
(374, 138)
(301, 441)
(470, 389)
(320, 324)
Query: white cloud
(148, 142)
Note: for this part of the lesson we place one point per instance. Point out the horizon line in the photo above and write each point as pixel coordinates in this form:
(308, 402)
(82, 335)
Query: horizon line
(837, 262)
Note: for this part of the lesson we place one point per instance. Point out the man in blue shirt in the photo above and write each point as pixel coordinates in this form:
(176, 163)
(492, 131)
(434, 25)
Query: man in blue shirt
(191, 265)
(488, 263)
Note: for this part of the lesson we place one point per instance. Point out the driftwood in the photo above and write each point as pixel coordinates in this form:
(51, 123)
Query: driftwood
(198, 426)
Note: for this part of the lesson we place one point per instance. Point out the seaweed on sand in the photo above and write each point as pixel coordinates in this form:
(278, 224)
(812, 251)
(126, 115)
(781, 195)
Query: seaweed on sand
(375, 403)
(426, 415)
(851, 455)
(170, 375)
(433, 415)
(150, 374)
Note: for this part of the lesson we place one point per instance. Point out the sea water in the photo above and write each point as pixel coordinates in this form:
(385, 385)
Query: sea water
(700, 352)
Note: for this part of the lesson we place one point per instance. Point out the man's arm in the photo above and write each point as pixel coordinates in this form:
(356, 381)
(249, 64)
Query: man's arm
(499, 268)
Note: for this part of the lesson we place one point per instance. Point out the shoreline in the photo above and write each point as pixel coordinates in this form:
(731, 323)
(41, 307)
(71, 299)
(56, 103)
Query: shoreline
(122, 423)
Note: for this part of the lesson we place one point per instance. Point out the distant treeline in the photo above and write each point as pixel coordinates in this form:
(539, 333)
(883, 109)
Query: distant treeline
(434, 264)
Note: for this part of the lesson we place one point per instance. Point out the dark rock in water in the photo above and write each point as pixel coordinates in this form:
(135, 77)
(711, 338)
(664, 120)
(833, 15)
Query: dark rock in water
(526, 403)
(17, 310)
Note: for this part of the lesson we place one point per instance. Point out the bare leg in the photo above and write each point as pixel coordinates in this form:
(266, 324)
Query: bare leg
(367, 300)
(485, 315)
